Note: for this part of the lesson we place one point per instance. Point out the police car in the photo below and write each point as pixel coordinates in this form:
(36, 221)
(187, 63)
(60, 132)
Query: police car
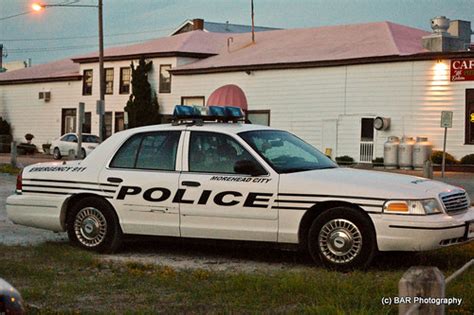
(223, 179)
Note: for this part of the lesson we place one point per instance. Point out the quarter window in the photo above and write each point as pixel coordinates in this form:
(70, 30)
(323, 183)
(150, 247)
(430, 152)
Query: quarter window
(165, 79)
(87, 82)
(215, 153)
(109, 81)
(151, 151)
(125, 80)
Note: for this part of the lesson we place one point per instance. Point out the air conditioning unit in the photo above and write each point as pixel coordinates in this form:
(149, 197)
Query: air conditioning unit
(45, 96)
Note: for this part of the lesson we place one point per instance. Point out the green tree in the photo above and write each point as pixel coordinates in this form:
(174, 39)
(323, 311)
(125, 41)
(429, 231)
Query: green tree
(142, 106)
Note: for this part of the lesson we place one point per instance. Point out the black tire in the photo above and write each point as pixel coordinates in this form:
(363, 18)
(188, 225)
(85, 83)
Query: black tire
(83, 153)
(93, 225)
(57, 154)
(342, 239)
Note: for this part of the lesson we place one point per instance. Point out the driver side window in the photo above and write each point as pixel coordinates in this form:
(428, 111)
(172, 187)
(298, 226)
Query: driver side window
(215, 153)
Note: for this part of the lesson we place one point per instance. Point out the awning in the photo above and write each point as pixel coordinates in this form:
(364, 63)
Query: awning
(228, 95)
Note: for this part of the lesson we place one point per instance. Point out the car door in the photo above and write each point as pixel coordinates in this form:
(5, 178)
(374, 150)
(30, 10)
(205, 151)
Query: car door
(145, 170)
(217, 202)
(69, 143)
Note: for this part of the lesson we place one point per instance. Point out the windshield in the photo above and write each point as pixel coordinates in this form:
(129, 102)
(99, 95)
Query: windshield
(285, 152)
(90, 139)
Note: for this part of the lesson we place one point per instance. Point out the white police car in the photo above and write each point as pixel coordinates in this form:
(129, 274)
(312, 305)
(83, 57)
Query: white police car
(237, 181)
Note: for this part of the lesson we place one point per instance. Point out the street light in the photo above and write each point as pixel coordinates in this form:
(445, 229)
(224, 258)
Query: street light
(39, 7)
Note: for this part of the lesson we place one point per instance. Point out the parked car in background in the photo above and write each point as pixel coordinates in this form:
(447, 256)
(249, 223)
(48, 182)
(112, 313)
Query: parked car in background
(61, 147)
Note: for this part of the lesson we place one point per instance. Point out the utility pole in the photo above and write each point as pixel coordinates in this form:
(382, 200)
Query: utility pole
(253, 23)
(101, 75)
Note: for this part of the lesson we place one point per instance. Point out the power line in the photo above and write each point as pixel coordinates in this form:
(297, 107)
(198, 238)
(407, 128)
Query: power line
(83, 37)
(73, 47)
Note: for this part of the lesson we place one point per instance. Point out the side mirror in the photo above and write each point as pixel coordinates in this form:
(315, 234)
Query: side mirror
(10, 299)
(249, 168)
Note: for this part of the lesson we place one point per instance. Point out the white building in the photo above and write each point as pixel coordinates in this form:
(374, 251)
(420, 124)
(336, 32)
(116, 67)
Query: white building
(325, 84)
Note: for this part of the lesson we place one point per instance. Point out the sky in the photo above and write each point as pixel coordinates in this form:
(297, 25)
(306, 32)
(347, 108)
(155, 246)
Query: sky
(58, 33)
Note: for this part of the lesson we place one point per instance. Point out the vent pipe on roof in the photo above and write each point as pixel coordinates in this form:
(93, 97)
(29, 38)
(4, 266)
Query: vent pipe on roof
(198, 24)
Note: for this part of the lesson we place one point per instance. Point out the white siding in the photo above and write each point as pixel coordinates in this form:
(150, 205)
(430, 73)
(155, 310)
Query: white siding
(412, 94)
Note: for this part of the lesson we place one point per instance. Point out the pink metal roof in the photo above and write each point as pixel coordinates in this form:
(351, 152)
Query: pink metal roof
(271, 47)
(317, 44)
(64, 68)
(197, 42)
(228, 95)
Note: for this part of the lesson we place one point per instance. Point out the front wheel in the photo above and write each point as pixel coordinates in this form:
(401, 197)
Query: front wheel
(93, 225)
(342, 238)
(56, 154)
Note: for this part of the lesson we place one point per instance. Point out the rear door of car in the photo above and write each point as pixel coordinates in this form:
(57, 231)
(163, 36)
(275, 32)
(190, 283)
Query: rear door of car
(145, 168)
(215, 201)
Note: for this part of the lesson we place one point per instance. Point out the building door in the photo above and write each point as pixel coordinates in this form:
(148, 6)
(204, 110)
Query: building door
(68, 120)
(469, 139)
(366, 140)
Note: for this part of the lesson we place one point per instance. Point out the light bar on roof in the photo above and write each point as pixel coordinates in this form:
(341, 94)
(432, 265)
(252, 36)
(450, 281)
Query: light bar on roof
(220, 113)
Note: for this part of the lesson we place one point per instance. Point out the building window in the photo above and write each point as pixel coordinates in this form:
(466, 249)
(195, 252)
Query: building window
(469, 116)
(108, 124)
(87, 125)
(165, 79)
(125, 80)
(109, 81)
(192, 100)
(87, 82)
(119, 121)
(68, 120)
(259, 117)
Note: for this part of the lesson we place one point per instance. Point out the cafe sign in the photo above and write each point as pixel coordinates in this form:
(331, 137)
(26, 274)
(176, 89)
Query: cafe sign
(462, 70)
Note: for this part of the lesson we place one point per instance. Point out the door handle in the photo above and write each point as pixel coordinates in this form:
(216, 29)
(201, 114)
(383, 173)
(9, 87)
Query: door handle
(190, 184)
(114, 180)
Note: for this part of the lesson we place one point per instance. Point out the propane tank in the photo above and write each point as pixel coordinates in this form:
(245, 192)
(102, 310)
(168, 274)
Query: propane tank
(390, 152)
(421, 152)
(405, 153)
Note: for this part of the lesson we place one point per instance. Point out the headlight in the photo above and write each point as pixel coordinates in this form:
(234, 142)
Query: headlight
(425, 206)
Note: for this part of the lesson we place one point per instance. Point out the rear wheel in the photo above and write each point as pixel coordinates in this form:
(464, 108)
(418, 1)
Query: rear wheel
(92, 224)
(83, 153)
(342, 238)
(56, 154)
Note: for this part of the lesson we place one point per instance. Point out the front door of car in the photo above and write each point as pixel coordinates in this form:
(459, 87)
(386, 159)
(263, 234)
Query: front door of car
(69, 143)
(218, 202)
(144, 168)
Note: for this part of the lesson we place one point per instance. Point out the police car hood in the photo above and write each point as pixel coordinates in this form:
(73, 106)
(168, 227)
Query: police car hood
(361, 183)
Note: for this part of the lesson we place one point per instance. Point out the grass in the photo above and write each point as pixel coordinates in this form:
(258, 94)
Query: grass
(56, 277)
(7, 168)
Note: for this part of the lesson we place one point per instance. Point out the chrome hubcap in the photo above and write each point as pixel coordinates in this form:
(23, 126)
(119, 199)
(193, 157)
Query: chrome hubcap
(340, 241)
(90, 227)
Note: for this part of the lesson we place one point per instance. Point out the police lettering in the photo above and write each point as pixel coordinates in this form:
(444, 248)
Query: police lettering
(223, 198)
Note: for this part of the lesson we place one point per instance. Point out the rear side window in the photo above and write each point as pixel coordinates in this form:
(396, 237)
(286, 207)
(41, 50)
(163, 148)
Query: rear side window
(151, 151)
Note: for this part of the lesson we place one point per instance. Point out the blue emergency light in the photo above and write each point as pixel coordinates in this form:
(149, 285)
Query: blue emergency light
(186, 111)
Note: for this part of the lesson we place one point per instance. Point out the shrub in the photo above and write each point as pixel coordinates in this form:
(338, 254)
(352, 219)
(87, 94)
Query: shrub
(437, 158)
(4, 127)
(26, 148)
(468, 159)
(377, 161)
(345, 159)
(29, 137)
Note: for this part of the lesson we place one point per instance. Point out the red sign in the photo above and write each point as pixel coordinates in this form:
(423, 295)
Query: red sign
(462, 70)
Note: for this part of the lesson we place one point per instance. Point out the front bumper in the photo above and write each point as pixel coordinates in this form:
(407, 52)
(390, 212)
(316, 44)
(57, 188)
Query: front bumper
(43, 212)
(418, 233)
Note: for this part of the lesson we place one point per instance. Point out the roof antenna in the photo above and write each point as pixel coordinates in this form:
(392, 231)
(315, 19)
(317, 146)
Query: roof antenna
(253, 24)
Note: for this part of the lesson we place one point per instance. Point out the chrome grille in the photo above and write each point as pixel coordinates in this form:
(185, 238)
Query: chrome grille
(455, 201)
